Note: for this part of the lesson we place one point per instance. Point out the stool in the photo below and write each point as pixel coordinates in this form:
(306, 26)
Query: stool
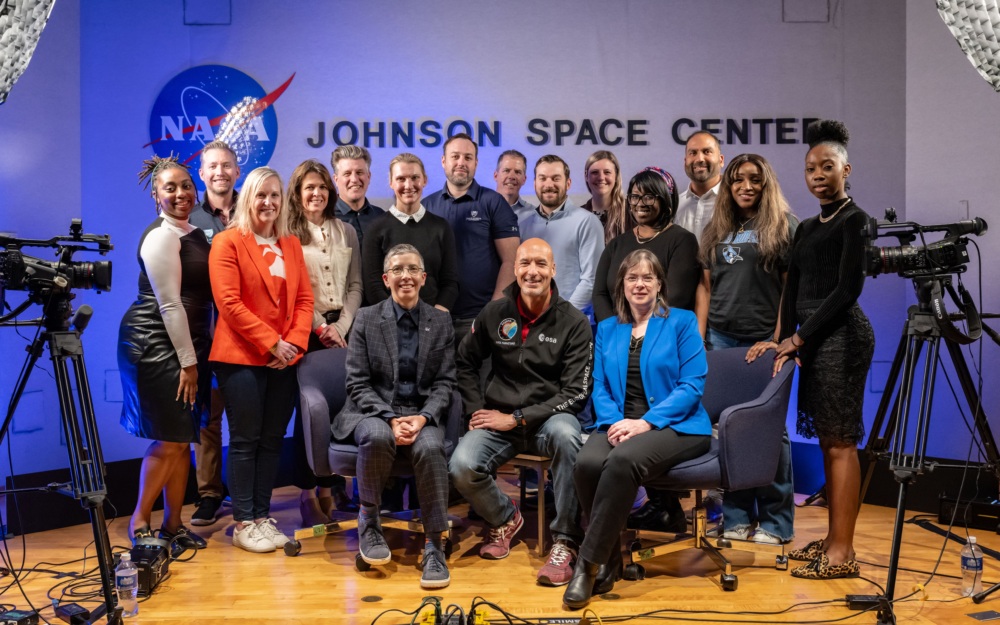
(541, 466)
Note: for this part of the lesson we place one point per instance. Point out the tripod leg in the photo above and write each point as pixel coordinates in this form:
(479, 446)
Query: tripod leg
(975, 404)
(84, 448)
(878, 438)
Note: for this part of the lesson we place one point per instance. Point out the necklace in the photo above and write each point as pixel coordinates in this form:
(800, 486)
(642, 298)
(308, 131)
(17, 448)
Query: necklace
(635, 343)
(641, 239)
(742, 225)
(843, 203)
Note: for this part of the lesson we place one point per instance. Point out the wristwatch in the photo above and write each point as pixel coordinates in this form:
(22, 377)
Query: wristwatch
(518, 418)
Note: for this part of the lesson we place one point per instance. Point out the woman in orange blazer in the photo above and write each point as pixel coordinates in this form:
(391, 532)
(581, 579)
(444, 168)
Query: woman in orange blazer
(265, 303)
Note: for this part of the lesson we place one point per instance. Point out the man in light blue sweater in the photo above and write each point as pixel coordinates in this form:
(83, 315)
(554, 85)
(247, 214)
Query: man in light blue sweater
(574, 234)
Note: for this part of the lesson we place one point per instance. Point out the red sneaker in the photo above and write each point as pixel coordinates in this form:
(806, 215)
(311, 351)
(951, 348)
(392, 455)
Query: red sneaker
(496, 545)
(559, 569)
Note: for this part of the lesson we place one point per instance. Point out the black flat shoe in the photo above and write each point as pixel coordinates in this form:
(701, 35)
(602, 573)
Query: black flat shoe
(581, 587)
(183, 537)
(609, 573)
(142, 535)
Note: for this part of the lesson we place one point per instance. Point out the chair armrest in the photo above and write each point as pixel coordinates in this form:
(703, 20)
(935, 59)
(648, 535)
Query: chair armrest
(750, 435)
(315, 415)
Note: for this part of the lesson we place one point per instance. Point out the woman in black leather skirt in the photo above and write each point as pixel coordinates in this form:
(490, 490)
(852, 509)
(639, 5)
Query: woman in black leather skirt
(163, 345)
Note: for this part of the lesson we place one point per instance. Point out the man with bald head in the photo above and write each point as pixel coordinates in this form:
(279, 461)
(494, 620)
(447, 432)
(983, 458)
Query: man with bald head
(541, 350)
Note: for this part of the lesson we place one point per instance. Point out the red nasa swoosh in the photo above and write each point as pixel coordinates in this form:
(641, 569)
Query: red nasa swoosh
(259, 108)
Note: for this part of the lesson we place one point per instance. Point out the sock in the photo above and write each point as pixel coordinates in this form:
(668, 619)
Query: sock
(369, 511)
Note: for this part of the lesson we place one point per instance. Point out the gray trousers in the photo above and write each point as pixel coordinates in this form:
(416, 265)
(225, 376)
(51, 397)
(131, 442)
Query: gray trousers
(377, 450)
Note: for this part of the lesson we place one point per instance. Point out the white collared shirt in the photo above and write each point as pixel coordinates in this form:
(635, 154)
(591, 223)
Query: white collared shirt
(403, 217)
(693, 212)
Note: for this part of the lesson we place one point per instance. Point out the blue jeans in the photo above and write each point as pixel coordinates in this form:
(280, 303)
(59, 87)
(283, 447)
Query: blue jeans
(259, 403)
(481, 452)
(772, 507)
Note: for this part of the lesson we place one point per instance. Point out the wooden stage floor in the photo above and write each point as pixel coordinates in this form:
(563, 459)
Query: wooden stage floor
(224, 584)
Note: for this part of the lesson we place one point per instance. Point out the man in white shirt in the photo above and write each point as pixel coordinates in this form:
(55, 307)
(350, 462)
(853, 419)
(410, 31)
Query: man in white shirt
(703, 163)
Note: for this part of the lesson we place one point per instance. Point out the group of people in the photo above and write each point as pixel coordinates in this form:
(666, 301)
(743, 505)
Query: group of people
(437, 291)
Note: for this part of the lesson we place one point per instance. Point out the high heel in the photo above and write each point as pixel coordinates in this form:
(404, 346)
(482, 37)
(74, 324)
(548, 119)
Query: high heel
(609, 573)
(581, 587)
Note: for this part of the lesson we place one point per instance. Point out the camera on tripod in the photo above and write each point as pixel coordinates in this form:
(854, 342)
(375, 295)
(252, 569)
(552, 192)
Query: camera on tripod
(949, 255)
(20, 272)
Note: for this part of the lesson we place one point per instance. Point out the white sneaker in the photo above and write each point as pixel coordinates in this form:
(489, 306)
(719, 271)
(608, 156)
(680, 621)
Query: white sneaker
(742, 533)
(248, 536)
(767, 538)
(269, 531)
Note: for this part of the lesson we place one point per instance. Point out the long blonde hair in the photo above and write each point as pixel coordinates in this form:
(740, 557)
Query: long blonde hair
(616, 221)
(242, 220)
(771, 223)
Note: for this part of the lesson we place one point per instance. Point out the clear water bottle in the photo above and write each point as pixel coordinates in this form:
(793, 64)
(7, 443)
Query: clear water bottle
(127, 584)
(972, 568)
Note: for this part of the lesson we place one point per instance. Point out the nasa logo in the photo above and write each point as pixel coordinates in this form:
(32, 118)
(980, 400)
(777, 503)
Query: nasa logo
(210, 102)
(507, 329)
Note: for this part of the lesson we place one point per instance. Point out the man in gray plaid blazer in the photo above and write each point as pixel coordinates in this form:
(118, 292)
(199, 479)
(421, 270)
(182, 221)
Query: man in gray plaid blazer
(400, 377)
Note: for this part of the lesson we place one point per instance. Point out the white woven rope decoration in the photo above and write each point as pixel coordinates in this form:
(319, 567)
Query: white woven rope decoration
(21, 24)
(974, 24)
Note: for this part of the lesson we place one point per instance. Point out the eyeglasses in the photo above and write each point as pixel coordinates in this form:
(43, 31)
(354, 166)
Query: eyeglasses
(412, 270)
(647, 199)
(632, 279)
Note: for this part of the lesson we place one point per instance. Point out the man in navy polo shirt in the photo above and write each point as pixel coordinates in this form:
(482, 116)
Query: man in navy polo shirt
(485, 228)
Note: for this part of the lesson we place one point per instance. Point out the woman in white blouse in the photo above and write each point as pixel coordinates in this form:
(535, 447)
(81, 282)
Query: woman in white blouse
(333, 259)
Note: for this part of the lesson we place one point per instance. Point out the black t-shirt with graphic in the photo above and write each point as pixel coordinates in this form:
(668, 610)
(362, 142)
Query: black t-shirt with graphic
(745, 297)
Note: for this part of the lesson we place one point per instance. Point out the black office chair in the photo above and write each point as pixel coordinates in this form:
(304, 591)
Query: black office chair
(749, 407)
(322, 391)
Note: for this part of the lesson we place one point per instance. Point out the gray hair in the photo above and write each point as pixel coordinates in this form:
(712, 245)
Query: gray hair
(399, 250)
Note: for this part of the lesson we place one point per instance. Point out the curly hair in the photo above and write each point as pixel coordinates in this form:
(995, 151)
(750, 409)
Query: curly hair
(830, 132)
(153, 167)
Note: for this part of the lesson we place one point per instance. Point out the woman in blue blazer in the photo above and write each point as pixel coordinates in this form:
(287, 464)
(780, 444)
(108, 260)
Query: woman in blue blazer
(649, 376)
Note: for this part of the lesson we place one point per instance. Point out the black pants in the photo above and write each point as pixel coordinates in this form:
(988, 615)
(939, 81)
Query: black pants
(259, 403)
(607, 479)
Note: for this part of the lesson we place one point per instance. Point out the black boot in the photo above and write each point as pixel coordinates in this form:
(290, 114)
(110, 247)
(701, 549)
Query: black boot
(609, 573)
(662, 513)
(581, 587)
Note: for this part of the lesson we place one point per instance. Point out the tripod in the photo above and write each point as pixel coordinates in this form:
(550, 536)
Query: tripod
(907, 453)
(86, 461)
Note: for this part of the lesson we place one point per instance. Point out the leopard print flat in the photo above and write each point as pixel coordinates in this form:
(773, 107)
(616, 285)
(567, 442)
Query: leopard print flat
(820, 569)
(807, 553)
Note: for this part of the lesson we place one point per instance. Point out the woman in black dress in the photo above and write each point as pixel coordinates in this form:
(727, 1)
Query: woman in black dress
(827, 333)
(163, 345)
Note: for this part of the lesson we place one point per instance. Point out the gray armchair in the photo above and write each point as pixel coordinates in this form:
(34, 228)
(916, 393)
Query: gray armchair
(748, 407)
(322, 393)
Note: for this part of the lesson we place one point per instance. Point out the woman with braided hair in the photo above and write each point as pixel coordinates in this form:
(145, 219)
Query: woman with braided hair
(829, 336)
(163, 346)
